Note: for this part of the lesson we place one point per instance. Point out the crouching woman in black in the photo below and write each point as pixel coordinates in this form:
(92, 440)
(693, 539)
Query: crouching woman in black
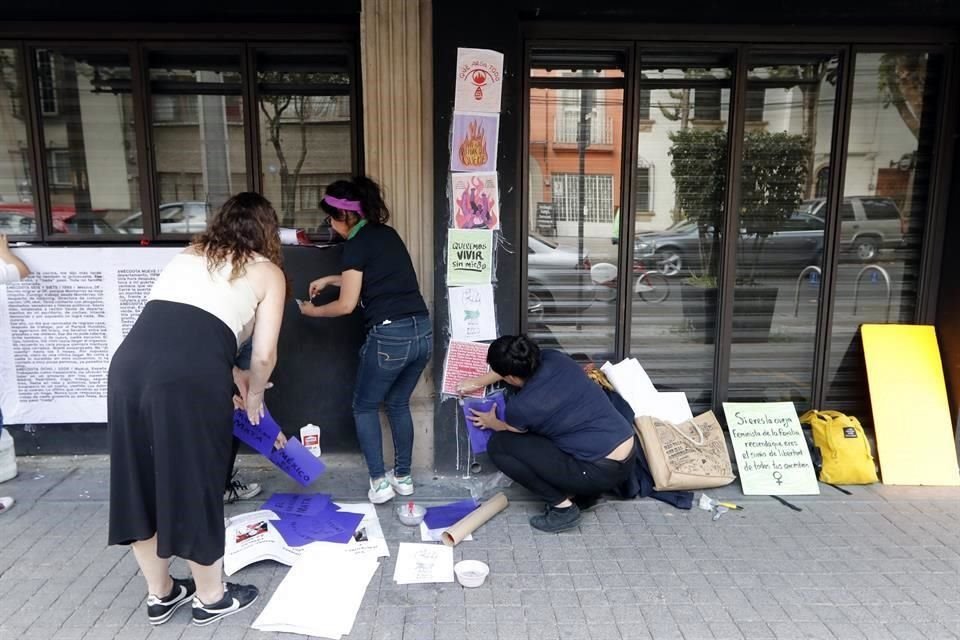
(561, 438)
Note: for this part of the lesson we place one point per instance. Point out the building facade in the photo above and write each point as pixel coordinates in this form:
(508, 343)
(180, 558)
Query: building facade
(724, 194)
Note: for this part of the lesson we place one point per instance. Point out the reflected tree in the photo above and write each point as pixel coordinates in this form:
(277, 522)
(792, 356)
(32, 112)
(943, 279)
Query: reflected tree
(284, 111)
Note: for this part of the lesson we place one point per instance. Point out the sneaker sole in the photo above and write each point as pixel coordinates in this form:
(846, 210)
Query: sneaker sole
(382, 499)
(169, 614)
(221, 616)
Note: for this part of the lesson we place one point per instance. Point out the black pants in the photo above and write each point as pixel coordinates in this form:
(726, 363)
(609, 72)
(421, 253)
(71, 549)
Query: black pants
(537, 464)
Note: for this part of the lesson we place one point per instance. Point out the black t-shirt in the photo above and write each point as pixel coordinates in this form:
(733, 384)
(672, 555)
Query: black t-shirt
(389, 290)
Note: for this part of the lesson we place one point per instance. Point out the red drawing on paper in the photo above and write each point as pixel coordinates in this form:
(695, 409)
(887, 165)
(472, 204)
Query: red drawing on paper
(464, 360)
(475, 204)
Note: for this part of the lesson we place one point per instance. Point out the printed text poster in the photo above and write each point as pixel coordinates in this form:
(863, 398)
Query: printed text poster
(464, 360)
(472, 313)
(772, 454)
(479, 80)
(474, 142)
(475, 201)
(469, 257)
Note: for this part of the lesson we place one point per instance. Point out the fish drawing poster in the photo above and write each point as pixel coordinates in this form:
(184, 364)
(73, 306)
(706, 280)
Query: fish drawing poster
(469, 257)
(472, 313)
(474, 142)
(479, 80)
(475, 201)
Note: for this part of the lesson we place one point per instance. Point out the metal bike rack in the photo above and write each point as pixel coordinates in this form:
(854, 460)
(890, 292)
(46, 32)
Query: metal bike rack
(886, 280)
(796, 295)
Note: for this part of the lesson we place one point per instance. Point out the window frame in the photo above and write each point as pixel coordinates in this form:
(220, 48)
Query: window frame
(25, 39)
(633, 39)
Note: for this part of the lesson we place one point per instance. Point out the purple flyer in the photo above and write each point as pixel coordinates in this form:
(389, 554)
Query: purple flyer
(295, 504)
(297, 462)
(445, 515)
(329, 526)
(480, 437)
(259, 436)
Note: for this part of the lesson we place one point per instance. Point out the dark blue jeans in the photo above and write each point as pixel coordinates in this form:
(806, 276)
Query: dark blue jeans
(391, 361)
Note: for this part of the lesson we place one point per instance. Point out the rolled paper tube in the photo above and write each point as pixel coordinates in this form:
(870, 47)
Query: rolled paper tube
(474, 520)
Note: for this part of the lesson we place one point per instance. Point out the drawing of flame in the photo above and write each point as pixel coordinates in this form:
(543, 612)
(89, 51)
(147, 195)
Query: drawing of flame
(479, 79)
(473, 149)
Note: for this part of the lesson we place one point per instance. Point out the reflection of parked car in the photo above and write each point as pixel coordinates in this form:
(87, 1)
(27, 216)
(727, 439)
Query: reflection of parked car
(677, 250)
(19, 218)
(867, 223)
(557, 282)
(175, 217)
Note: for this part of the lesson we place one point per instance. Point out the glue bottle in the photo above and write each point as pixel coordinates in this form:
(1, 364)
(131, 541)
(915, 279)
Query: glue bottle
(310, 438)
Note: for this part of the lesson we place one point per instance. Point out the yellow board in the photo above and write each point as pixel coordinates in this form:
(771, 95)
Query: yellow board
(910, 413)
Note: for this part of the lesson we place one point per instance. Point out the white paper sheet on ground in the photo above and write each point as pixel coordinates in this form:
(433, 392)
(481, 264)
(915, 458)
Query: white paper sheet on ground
(631, 382)
(670, 406)
(434, 535)
(251, 538)
(423, 563)
(321, 594)
(372, 541)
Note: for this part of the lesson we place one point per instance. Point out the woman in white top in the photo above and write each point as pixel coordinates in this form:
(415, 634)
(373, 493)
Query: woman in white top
(170, 407)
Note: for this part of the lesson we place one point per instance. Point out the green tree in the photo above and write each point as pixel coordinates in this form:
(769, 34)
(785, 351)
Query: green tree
(773, 182)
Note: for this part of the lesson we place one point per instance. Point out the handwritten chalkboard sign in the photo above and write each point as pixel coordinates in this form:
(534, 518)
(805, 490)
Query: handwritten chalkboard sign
(546, 219)
(772, 455)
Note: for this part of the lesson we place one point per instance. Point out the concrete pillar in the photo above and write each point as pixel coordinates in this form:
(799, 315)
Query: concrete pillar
(396, 54)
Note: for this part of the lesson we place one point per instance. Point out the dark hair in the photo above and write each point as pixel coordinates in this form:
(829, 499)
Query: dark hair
(365, 191)
(514, 356)
(246, 224)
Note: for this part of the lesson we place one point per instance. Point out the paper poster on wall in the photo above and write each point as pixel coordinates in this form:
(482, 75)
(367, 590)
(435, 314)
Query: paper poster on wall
(474, 142)
(464, 360)
(472, 313)
(475, 201)
(469, 257)
(479, 80)
(772, 454)
(60, 326)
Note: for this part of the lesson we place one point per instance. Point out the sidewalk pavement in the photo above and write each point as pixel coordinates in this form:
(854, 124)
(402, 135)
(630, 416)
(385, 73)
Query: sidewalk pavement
(881, 563)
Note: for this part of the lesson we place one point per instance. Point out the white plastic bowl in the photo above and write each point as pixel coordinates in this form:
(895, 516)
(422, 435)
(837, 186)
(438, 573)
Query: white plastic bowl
(411, 519)
(471, 573)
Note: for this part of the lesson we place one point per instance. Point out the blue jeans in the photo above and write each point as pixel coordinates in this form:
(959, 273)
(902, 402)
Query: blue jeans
(391, 361)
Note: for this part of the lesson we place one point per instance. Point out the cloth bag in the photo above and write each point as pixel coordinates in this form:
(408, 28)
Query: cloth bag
(843, 446)
(685, 456)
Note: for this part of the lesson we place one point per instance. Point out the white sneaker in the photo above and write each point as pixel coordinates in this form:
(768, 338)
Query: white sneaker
(240, 490)
(402, 485)
(380, 491)
(6, 503)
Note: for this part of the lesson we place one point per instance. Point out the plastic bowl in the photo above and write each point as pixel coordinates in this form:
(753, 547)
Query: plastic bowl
(411, 519)
(471, 573)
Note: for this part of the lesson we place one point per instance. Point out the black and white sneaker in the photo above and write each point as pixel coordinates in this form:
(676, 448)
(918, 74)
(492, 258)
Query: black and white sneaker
(236, 598)
(159, 610)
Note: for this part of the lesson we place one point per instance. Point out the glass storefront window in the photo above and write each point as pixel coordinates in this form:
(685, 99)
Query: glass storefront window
(679, 189)
(885, 207)
(196, 112)
(305, 131)
(17, 213)
(574, 198)
(786, 144)
(89, 138)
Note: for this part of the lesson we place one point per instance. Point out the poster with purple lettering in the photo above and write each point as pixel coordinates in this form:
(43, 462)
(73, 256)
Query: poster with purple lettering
(260, 437)
(474, 142)
(297, 462)
(475, 201)
(479, 80)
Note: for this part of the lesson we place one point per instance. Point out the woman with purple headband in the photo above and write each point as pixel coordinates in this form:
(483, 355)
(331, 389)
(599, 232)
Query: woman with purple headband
(377, 274)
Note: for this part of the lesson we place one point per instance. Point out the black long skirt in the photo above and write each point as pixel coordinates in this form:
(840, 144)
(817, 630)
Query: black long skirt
(169, 414)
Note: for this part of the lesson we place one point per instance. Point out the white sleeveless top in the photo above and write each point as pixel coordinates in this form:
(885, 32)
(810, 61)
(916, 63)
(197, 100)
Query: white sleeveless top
(187, 280)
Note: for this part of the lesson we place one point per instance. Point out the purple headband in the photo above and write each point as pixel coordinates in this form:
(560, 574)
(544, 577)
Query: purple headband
(345, 205)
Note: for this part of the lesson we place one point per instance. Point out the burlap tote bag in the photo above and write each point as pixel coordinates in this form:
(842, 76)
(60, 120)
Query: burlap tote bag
(686, 456)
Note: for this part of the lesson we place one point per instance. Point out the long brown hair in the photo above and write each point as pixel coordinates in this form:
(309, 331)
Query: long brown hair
(246, 224)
